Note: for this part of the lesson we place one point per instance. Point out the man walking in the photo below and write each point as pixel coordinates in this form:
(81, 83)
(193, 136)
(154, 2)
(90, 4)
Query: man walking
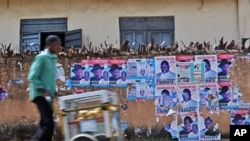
(42, 83)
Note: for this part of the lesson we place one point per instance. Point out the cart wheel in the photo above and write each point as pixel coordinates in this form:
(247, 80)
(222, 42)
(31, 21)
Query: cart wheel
(83, 137)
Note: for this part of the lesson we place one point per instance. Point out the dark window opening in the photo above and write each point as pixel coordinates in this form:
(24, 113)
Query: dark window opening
(44, 35)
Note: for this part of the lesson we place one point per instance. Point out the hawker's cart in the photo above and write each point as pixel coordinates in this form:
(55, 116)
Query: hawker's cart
(91, 116)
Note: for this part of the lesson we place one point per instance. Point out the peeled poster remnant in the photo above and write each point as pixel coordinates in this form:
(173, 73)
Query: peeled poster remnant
(240, 76)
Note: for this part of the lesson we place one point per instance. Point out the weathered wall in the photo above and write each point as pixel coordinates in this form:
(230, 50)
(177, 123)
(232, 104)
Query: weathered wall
(195, 20)
(17, 106)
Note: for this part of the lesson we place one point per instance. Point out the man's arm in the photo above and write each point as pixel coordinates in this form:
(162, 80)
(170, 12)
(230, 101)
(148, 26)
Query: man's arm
(35, 73)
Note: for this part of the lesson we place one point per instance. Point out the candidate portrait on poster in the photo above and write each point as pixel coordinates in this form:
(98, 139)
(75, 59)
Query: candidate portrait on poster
(208, 96)
(189, 129)
(224, 65)
(165, 70)
(188, 95)
(209, 71)
(225, 95)
(118, 73)
(76, 74)
(99, 73)
(166, 96)
(209, 130)
(240, 116)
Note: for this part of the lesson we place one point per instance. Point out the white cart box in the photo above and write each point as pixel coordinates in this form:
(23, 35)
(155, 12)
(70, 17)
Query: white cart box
(75, 103)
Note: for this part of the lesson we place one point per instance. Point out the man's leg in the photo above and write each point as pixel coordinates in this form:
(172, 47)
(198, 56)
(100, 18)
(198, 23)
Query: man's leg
(46, 126)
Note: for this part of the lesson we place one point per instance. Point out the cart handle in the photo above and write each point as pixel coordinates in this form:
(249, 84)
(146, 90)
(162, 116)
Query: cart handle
(104, 106)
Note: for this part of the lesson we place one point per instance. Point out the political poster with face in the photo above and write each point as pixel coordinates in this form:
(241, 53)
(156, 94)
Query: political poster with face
(99, 72)
(209, 62)
(208, 96)
(166, 96)
(185, 69)
(240, 116)
(188, 129)
(76, 74)
(165, 70)
(236, 99)
(188, 96)
(131, 90)
(140, 68)
(208, 128)
(225, 94)
(224, 64)
(118, 73)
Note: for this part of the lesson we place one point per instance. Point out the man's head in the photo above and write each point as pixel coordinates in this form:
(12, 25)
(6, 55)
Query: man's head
(78, 71)
(195, 128)
(165, 92)
(186, 95)
(86, 75)
(208, 122)
(123, 75)
(53, 43)
(225, 93)
(115, 71)
(143, 71)
(225, 66)
(207, 64)
(105, 75)
(238, 119)
(142, 92)
(187, 123)
(164, 66)
(97, 71)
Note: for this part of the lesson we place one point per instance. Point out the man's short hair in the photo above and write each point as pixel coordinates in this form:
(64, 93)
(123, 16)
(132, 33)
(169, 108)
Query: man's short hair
(207, 61)
(165, 92)
(52, 39)
(187, 91)
(165, 62)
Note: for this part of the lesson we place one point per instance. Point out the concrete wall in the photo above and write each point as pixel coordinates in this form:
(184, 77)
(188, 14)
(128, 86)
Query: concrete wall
(195, 20)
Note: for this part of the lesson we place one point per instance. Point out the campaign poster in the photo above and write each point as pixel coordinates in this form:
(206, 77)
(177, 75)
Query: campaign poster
(185, 69)
(131, 90)
(189, 129)
(60, 73)
(150, 67)
(172, 127)
(225, 94)
(209, 129)
(118, 73)
(240, 116)
(140, 68)
(224, 63)
(208, 93)
(209, 62)
(166, 96)
(77, 76)
(188, 97)
(99, 72)
(236, 100)
(140, 89)
(165, 70)
(199, 70)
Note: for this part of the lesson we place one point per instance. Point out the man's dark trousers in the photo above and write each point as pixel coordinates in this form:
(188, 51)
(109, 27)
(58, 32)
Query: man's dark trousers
(46, 126)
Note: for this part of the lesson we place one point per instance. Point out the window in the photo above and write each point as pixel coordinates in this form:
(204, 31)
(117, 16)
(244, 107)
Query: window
(34, 31)
(138, 30)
